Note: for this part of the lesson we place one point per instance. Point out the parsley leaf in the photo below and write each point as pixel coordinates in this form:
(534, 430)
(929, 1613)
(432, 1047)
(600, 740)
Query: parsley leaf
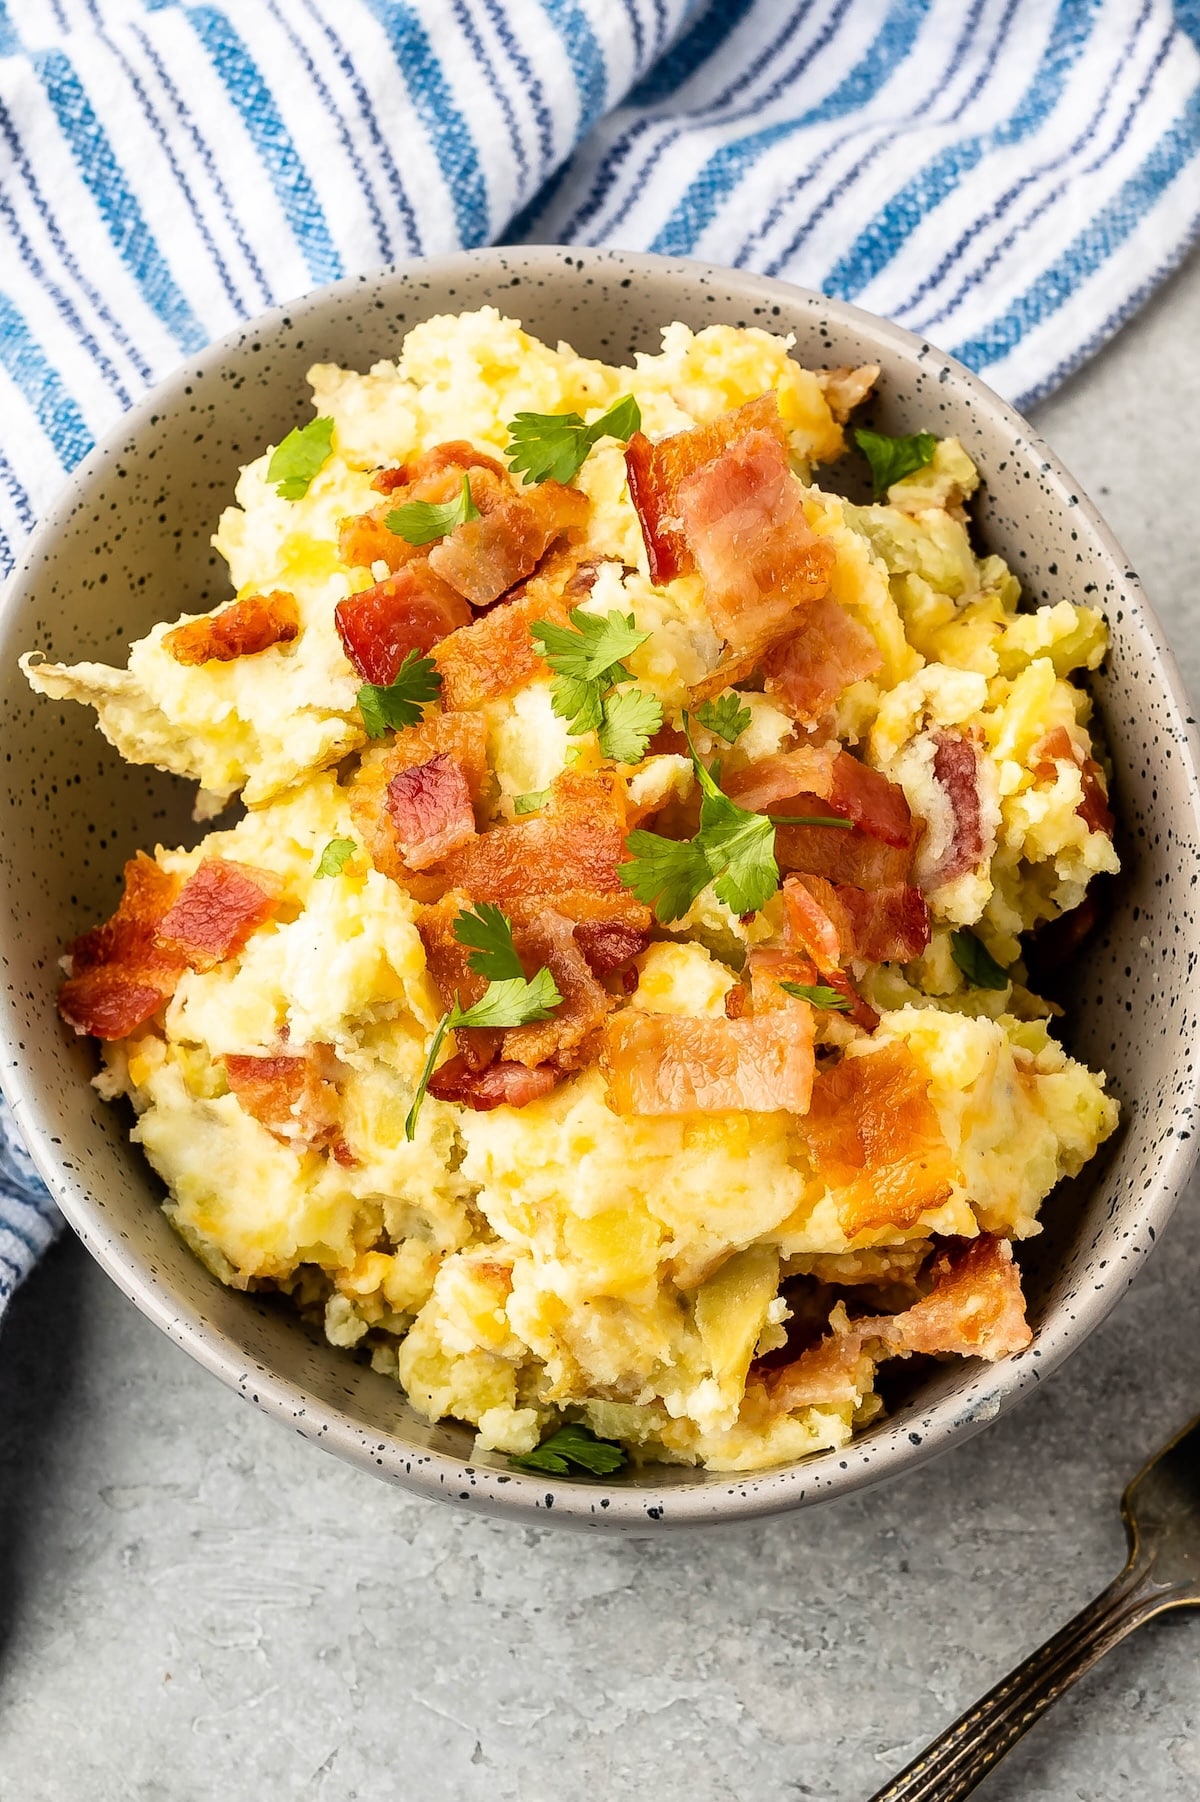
(976, 962)
(488, 929)
(818, 994)
(726, 717)
(298, 459)
(418, 680)
(892, 459)
(631, 718)
(665, 873)
(511, 1001)
(533, 802)
(420, 522)
(572, 1445)
(554, 446)
(592, 647)
(334, 856)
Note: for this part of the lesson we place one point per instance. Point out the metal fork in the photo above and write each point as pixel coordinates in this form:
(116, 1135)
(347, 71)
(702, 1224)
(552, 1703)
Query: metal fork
(1161, 1508)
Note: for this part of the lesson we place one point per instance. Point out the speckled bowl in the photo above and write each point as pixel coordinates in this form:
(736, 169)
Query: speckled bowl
(128, 543)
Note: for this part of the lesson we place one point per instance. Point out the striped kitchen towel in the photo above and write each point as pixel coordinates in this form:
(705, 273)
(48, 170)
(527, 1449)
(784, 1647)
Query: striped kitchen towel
(1010, 178)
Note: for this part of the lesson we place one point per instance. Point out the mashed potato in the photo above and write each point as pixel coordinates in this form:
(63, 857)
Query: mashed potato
(712, 1282)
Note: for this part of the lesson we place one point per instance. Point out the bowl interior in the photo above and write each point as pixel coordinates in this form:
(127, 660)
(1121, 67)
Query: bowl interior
(130, 544)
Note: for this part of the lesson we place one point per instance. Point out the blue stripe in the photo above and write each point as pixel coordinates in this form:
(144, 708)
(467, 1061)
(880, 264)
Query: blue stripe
(886, 142)
(467, 26)
(1092, 248)
(447, 129)
(584, 55)
(347, 142)
(367, 111)
(200, 145)
(32, 372)
(979, 273)
(712, 187)
(115, 200)
(66, 307)
(1187, 17)
(639, 34)
(712, 114)
(533, 88)
(155, 123)
(690, 52)
(890, 229)
(8, 561)
(515, 232)
(22, 504)
(243, 82)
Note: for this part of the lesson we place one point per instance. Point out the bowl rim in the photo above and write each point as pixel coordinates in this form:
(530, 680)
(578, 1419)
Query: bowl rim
(990, 1389)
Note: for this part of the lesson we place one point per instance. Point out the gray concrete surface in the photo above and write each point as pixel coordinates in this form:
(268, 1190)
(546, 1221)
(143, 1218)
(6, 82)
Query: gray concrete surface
(195, 1605)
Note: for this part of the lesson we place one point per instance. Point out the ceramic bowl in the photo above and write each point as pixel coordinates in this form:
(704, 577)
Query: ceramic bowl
(128, 543)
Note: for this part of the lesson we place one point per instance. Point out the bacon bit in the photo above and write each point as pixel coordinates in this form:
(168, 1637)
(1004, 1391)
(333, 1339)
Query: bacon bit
(846, 387)
(878, 806)
(769, 968)
(956, 772)
(429, 806)
(656, 471)
(242, 629)
(448, 963)
(412, 610)
(764, 786)
(849, 857)
(342, 1154)
(218, 908)
(386, 481)
(1059, 747)
(543, 937)
(668, 741)
(119, 973)
(500, 1085)
(876, 1140)
(975, 1308)
(829, 650)
(826, 780)
(292, 1096)
(735, 1001)
(493, 655)
(674, 1064)
(731, 672)
(888, 925)
(460, 737)
(760, 560)
(609, 945)
(484, 557)
(436, 476)
(835, 1371)
(575, 844)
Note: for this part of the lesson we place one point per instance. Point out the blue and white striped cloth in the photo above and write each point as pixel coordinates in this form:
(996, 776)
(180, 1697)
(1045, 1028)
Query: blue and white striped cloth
(1008, 177)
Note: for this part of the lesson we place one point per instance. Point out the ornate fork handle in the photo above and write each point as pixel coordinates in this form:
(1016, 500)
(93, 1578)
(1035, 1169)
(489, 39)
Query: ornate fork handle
(961, 1757)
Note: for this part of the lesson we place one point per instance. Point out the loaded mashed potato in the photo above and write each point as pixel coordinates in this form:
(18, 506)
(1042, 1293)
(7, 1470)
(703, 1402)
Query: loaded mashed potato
(609, 1014)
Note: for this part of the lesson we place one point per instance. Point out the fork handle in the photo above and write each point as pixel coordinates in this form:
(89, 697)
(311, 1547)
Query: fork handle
(951, 1765)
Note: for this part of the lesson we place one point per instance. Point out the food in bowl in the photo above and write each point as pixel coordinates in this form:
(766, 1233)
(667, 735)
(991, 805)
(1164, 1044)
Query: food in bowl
(610, 1012)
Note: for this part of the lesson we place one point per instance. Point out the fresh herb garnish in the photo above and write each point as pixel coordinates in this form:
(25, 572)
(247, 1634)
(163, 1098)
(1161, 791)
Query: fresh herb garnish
(417, 681)
(420, 522)
(817, 994)
(734, 850)
(554, 446)
(572, 1445)
(726, 717)
(333, 857)
(976, 962)
(303, 453)
(587, 658)
(508, 1000)
(533, 802)
(892, 459)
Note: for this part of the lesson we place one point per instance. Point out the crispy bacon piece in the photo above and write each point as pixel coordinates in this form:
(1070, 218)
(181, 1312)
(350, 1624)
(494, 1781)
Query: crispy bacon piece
(676, 1064)
(807, 671)
(835, 1370)
(836, 922)
(835, 783)
(850, 857)
(412, 610)
(1059, 747)
(386, 481)
(448, 963)
(764, 786)
(575, 844)
(956, 772)
(217, 909)
(499, 1085)
(975, 1308)
(429, 806)
(655, 472)
(769, 968)
(493, 655)
(293, 1095)
(242, 629)
(436, 476)
(876, 1140)
(460, 737)
(484, 557)
(610, 945)
(119, 973)
(760, 560)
